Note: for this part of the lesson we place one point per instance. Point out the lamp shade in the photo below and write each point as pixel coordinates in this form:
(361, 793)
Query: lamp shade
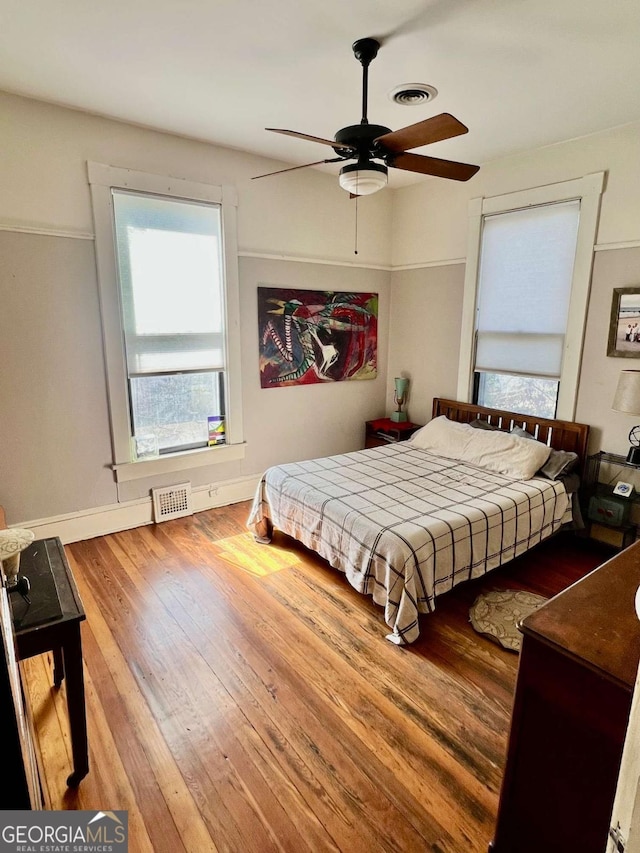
(627, 397)
(401, 386)
(363, 178)
(12, 542)
(400, 398)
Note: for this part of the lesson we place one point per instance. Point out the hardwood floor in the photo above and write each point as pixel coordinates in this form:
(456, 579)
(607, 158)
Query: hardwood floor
(242, 697)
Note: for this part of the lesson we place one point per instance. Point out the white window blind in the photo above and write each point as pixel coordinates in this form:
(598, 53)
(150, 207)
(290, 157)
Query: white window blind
(526, 269)
(170, 265)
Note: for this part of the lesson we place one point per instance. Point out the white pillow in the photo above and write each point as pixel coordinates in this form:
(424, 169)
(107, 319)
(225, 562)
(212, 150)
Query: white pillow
(491, 449)
(443, 437)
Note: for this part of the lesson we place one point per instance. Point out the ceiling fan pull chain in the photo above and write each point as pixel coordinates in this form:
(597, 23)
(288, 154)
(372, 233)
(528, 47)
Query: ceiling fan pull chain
(355, 251)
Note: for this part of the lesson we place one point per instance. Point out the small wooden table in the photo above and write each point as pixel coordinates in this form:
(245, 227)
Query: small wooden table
(59, 633)
(385, 431)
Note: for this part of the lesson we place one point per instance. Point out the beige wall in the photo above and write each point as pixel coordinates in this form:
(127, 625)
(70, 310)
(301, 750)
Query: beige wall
(304, 214)
(430, 226)
(430, 218)
(424, 332)
(600, 373)
(54, 423)
(296, 230)
(55, 451)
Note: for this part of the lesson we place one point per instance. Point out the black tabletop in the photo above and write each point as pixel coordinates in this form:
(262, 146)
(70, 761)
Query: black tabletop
(53, 597)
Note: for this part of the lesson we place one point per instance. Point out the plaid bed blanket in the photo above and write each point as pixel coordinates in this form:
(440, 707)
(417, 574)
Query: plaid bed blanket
(406, 526)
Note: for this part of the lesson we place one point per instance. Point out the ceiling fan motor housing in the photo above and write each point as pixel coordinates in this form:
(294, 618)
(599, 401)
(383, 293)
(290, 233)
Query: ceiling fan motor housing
(361, 137)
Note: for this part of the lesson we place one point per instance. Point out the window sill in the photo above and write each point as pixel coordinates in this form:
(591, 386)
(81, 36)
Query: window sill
(175, 462)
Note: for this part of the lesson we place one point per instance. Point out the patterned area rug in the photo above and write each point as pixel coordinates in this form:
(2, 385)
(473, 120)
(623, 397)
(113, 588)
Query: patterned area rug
(496, 615)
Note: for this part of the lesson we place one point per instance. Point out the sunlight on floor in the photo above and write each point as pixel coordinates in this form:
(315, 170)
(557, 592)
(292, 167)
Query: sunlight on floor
(245, 553)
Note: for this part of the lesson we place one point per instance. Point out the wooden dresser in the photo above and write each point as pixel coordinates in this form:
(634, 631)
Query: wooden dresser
(576, 675)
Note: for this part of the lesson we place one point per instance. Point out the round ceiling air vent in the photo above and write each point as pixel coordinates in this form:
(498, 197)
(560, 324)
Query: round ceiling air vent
(412, 94)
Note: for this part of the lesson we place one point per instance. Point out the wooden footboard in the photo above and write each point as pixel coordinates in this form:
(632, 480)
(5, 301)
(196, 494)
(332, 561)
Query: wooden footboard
(561, 435)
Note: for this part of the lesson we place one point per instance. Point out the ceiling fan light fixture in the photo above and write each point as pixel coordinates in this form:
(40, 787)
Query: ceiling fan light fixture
(363, 179)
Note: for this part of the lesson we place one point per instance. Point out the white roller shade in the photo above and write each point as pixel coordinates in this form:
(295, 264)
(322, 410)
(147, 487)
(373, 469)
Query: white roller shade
(517, 352)
(170, 264)
(524, 289)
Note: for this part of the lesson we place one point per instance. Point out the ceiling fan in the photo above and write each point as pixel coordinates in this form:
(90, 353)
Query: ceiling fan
(367, 143)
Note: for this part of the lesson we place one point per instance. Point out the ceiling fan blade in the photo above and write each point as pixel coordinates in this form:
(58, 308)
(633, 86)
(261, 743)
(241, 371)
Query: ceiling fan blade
(424, 132)
(293, 168)
(433, 166)
(331, 142)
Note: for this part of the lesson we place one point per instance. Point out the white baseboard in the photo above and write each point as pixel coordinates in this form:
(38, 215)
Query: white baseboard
(99, 521)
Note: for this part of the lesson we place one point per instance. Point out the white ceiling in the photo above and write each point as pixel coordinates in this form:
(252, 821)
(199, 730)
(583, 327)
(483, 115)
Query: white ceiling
(519, 73)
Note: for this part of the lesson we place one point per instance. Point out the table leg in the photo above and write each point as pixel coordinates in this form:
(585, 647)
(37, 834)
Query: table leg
(72, 656)
(58, 667)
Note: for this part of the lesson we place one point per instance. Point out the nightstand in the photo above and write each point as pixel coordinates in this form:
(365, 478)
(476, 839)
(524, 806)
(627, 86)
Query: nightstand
(609, 518)
(385, 431)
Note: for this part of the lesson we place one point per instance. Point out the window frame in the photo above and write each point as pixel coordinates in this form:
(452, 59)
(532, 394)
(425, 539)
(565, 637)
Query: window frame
(102, 179)
(587, 190)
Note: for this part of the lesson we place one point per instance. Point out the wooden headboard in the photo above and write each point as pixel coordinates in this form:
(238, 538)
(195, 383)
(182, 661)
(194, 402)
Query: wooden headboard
(561, 435)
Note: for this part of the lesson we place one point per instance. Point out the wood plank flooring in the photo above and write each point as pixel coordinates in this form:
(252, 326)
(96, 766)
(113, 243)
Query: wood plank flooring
(242, 697)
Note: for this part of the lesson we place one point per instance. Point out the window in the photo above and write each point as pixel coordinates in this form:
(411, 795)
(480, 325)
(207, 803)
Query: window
(168, 283)
(524, 287)
(526, 292)
(170, 274)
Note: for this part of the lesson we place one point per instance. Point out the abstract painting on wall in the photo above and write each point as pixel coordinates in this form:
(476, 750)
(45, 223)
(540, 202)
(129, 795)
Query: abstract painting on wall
(310, 336)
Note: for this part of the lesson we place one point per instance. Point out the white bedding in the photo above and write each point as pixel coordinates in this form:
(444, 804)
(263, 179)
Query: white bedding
(494, 450)
(405, 525)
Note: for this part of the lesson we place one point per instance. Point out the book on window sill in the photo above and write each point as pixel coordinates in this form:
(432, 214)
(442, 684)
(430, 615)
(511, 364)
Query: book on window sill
(216, 430)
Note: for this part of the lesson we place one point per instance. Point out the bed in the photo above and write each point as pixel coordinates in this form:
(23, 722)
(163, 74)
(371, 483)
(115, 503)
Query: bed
(406, 523)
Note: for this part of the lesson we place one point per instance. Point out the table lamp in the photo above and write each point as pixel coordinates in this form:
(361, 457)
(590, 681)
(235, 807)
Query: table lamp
(12, 541)
(627, 399)
(399, 398)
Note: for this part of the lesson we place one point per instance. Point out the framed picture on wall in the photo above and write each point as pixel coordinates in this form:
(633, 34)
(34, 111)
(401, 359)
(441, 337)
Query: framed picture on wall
(312, 336)
(624, 329)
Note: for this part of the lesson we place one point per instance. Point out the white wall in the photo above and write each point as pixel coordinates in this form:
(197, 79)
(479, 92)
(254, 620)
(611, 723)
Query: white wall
(43, 177)
(626, 806)
(430, 218)
(430, 226)
(600, 373)
(424, 332)
(55, 451)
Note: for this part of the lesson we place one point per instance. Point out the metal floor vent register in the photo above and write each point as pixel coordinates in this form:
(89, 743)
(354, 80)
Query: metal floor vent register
(172, 502)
